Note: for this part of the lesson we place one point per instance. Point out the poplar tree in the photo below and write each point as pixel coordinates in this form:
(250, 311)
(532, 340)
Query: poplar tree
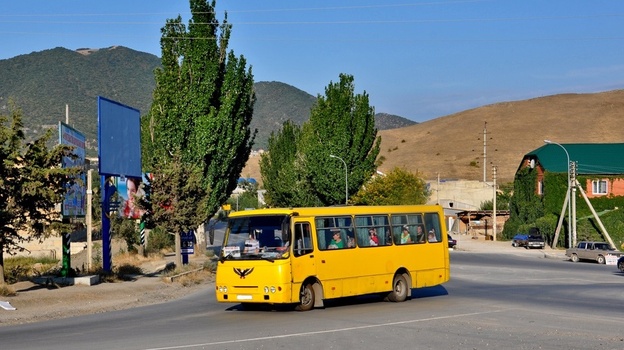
(342, 124)
(32, 183)
(298, 169)
(202, 107)
(282, 172)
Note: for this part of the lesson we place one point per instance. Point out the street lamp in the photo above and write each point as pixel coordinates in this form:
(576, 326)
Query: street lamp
(569, 186)
(346, 178)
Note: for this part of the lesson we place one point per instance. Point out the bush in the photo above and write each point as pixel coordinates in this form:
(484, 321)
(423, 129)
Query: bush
(398, 187)
(127, 229)
(160, 240)
(21, 268)
(547, 226)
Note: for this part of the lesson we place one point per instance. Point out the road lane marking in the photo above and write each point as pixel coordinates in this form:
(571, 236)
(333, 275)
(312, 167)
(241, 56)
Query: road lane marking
(346, 329)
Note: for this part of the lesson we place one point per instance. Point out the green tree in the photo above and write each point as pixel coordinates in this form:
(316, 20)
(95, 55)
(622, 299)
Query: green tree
(503, 196)
(397, 187)
(202, 108)
(281, 170)
(505, 191)
(341, 124)
(178, 196)
(32, 183)
(525, 206)
(248, 198)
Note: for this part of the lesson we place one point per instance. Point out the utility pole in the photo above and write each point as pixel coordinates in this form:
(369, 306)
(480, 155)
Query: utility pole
(494, 228)
(89, 220)
(484, 150)
(438, 190)
(573, 170)
(566, 202)
(596, 216)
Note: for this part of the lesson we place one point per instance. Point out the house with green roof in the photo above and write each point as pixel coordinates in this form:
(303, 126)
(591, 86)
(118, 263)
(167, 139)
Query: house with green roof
(600, 165)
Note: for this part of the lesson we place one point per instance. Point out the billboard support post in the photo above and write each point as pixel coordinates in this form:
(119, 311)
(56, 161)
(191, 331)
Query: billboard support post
(119, 154)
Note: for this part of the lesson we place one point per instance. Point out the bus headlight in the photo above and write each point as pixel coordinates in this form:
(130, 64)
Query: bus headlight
(266, 290)
(223, 289)
(272, 289)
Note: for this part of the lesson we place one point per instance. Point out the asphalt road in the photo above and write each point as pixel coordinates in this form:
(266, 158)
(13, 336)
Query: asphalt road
(493, 301)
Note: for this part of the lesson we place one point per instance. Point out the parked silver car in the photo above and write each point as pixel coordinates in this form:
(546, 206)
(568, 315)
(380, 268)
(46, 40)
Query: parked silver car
(596, 251)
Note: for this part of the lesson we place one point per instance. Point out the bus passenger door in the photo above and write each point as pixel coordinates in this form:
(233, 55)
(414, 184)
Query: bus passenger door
(303, 261)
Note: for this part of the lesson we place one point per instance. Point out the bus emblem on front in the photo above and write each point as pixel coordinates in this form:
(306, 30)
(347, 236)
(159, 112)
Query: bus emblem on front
(243, 272)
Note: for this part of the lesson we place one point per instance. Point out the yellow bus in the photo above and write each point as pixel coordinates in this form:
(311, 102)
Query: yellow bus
(303, 256)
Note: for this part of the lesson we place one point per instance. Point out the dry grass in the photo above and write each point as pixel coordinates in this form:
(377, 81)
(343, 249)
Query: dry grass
(192, 274)
(452, 146)
(7, 291)
(134, 259)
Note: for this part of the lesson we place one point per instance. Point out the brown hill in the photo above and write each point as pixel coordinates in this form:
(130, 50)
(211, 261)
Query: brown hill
(452, 146)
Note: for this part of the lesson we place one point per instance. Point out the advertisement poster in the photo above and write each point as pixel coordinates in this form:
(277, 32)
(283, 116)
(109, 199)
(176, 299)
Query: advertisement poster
(130, 190)
(74, 204)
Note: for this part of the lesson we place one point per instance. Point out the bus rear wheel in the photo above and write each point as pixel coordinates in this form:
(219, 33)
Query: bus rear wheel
(306, 296)
(399, 289)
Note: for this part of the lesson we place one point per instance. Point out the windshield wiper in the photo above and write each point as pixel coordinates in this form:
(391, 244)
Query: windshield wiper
(226, 257)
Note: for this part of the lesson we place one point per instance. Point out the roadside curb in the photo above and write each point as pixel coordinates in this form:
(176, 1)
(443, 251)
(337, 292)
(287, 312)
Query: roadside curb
(477, 245)
(67, 281)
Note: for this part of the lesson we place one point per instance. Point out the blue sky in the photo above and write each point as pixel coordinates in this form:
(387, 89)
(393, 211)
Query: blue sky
(417, 59)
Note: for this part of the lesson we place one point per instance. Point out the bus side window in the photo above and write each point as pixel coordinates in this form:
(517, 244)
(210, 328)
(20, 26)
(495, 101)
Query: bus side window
(384, 236)
(396, 234)
(303, 239)
(362, 237)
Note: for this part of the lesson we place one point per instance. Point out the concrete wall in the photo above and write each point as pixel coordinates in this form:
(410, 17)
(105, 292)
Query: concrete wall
(460, 194)
(50, 247)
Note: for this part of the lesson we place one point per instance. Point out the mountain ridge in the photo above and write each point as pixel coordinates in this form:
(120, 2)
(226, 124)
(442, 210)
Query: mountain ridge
(43, 82)
(451, 147)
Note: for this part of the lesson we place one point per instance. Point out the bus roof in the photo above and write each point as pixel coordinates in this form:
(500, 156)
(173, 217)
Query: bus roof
(338, 210)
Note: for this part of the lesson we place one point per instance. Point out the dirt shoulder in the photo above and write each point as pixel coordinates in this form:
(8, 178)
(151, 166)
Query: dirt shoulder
(35, 302)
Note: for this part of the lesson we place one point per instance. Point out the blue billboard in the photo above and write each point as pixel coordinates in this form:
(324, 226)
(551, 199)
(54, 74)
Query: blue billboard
(119, 139)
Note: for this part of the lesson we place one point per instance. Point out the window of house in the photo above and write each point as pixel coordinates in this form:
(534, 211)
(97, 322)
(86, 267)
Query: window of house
(599, 186)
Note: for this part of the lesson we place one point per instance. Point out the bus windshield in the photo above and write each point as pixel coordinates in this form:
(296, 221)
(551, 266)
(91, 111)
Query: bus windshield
(257, 237)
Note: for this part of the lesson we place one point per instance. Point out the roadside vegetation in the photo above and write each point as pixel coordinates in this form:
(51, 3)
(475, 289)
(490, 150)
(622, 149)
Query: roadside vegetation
(206, 92)
(528, 209)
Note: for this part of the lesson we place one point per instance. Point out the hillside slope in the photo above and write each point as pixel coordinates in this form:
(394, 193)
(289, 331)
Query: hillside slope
(42, 83)
(452, 146)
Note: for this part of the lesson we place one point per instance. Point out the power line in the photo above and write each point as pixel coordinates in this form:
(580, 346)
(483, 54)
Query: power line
(413, 21)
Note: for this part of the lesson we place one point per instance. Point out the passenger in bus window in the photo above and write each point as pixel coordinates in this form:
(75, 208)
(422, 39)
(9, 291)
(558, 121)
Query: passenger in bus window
(350, 240)
(252, 245)
(432, 236)
(372, 236)
(336, 242)
(405, 236)
(420, 233)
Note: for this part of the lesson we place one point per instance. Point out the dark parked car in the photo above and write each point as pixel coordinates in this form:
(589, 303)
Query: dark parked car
(519, 240)
(533, 240)
(451, 242)
(620, 263)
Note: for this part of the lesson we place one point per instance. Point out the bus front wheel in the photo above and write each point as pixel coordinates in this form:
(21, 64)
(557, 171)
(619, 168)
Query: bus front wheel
(399, 289)
(306, 298)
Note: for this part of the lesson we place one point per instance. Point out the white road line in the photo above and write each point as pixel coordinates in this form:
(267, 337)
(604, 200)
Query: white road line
(327, 331)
